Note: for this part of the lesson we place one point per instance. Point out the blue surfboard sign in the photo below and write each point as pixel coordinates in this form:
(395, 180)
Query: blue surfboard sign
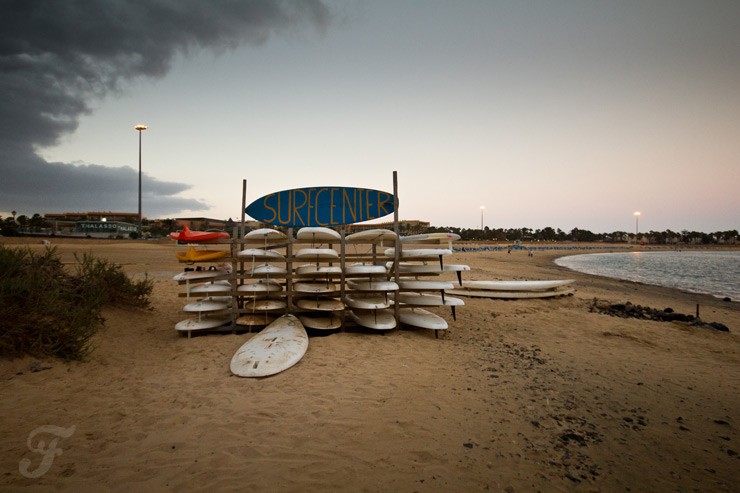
(321, 206)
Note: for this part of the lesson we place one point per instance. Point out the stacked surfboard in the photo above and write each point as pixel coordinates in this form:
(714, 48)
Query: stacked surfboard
(419, 282)
(208, 293)
(262, 274)
(315, 289)
(369, 288)
(515, 289)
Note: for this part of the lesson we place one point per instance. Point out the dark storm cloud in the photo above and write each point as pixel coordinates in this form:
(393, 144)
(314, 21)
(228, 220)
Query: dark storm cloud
(56, 56)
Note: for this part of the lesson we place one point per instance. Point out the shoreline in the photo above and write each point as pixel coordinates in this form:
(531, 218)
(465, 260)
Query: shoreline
(519, 394)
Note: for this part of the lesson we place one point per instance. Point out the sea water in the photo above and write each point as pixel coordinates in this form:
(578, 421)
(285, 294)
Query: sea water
(715, 273)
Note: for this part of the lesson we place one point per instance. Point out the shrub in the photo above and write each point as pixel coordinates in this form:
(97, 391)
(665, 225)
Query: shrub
(46, 311)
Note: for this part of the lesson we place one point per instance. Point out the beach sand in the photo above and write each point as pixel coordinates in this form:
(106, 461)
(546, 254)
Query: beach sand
(519, 395)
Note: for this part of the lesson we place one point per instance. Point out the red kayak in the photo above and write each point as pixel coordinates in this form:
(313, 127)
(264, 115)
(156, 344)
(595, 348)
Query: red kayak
(187, 236)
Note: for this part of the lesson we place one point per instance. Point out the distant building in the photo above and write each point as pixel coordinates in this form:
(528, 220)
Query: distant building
(126, 217)
(201, 223)
(410, 227)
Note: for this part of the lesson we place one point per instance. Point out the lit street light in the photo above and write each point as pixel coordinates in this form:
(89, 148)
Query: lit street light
(637, 219)
(481, 216)
(139, 128)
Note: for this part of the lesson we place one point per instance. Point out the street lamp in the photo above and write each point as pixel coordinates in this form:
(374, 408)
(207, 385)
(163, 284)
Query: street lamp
(637, 219)
(139, 128)
(481, 216)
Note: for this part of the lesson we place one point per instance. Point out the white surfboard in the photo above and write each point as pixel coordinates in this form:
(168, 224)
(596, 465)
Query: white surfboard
(202, 323)
(276, 348)
(374, 319)
(419, 253)
(211, 288)
(409, 268)
(260, 254)
(365, 269)
(314, 287)
(487, 293)
(267, 270)
(317, 254)
(371, 236)
(419, 299)
(325, 321)
(365, 301)
(192, 275)
(207, 305)
(266, 305)
(517, 285)
(265, 234)
(255, 320)
(418, 317)
(313, 270)
(430, 238)
(320, 234)
(419, 285)
(259, 287)
(363, 285)
(320, 304)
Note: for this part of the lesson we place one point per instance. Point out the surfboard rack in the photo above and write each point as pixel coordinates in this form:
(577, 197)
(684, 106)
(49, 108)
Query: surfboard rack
(309, 284)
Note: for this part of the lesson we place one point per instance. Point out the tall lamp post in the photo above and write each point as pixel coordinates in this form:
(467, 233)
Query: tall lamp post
(139, 128)
(637, 220)
(481, 216)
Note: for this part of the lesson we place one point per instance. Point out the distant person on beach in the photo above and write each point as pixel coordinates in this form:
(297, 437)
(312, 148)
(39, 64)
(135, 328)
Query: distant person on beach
(508, 250)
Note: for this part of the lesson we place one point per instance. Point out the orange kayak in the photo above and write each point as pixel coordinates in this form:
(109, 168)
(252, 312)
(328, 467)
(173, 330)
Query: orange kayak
(193, 255)
(187, 236)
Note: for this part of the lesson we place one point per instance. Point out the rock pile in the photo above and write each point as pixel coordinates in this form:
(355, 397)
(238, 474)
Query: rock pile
(628, 310)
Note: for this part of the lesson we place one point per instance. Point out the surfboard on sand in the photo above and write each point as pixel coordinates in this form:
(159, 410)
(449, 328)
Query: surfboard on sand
(517, 285)
(418, 317)
(276, 348)
(374, 319)
(483, 293)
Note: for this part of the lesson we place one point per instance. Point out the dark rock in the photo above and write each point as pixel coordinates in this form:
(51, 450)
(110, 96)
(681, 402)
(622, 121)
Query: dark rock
(727, 298)
(718, 326)
(668, 310)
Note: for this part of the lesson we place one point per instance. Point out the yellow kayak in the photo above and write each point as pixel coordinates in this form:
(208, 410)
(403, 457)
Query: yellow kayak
(193, 255)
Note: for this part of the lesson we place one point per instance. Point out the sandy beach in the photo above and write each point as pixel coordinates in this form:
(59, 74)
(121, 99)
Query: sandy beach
(518, 395)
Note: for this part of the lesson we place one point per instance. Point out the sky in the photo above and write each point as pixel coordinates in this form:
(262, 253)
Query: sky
(552, 113)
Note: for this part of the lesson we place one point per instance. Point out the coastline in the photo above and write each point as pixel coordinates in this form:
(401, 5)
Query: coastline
(522, 394)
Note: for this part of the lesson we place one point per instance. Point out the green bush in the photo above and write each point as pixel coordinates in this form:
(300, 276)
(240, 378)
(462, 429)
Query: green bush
(46, 311)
